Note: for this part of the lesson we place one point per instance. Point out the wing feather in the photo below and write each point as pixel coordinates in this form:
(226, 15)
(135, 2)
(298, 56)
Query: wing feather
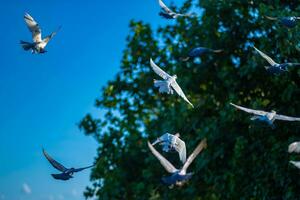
(54, 163)
(265, 56)
(255, 112)
(33, 28)
(158, 70)
(165, 8)
(286, 118)
(179, 91)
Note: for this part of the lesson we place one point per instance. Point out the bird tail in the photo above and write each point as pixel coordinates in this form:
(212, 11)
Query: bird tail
(26, 45)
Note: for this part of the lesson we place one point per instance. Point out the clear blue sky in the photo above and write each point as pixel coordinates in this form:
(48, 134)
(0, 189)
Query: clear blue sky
(42, 97)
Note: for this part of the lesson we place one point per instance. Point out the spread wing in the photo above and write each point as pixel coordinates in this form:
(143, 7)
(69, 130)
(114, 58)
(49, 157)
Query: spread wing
(54, 163)
(255, 112)
(179, 91)
(286, 118)
(33, 28)
(163, 161)
(49, 37)
(270, 61)
(165, 8)
(181, 149)
(83, 168)
(191, 158)
(158, 70)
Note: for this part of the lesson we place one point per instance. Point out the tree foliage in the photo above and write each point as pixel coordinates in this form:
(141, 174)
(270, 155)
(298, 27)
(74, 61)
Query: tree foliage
(243, 160)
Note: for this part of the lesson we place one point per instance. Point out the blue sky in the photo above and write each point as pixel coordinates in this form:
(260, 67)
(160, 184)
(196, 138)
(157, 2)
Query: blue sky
(43, 97)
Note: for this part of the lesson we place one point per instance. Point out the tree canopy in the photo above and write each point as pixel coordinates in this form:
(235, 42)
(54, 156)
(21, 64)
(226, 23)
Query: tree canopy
(243, 160)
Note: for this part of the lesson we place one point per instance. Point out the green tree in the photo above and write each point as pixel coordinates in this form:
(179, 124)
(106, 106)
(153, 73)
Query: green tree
(243, 160)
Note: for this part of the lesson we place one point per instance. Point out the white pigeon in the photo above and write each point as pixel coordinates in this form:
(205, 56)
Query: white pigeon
(275, 68)
(168, 83)
(38, 45)
(172, 143)
(168, 13)
(179, 176)
(294, 147)
(267, 117)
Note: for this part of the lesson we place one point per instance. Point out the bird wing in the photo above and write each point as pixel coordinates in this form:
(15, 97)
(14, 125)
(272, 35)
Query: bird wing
(83, 168)
(286, 118)
(248, 110)
(296, 164)
(158, 70)
(165, 8)
(293, 64)
(181, 149)
(179, 91)
(190, 159)
(271, 18)
(49, 37)
(163, 161)
(265, 56)
(33, 28)
(54, 163)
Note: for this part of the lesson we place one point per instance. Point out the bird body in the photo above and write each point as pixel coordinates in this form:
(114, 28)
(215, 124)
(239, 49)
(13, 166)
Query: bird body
(38, 45)
(168, 84)
(275, 68)
(289, 22)
(199, 51)
(66, 172)
(179, 176)
(266, 117)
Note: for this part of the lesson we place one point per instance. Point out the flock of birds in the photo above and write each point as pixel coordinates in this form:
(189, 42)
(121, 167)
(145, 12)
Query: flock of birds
(170, 142)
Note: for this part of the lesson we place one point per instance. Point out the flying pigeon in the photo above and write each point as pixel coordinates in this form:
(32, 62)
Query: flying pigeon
(179, 176)
(294, 147)
(167, 13)
(289, 22)
(38, 45)
(295, 163)
(66, 172)
(266, 117)
(275, 68)
(168, 84)
(198, 51)
(172, 143)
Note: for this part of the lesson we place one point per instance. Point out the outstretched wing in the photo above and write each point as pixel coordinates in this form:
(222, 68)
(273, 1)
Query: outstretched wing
(158, 70)
(163, 161)
(83, 168)
(270, 61)
(54, 163)
(179, 91)
(33, 28)
(248, 110)
(165, 8)
(49, 37)
(181, 149)
(190, 159)
(271, 18)
(286, 118)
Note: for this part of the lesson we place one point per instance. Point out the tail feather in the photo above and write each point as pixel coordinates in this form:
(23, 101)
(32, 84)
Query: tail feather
(26, 45)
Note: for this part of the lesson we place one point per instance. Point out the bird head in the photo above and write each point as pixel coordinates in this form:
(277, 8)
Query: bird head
(175, 76)
(177, 134)
(273, 112)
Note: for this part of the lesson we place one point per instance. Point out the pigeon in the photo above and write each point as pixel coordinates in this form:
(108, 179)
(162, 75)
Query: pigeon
(66, 172)
(167, 13)
(275, 68)
(289, 22)
(294, 147)
(172, 143)
(168, 84)
(179, 176)
(38, 45)
(295, 163)
(266, 117)
(198, 51)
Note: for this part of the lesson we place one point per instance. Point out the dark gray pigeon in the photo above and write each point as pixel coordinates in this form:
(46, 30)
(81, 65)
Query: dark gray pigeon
(167, 13)
(66, 173)
(276, 68)
(171, 143)
(265, 117)
(199, 51)
(289, 22)
(38, 45)
(179, 176)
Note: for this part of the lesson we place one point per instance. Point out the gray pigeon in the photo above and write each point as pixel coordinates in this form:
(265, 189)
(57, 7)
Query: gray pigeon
(66, 172)
(179, 176)
(294, 147)
(276, 68)
(167, 13)
(172, 143)
(266, 117)
(38, 45)
(168, 84)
